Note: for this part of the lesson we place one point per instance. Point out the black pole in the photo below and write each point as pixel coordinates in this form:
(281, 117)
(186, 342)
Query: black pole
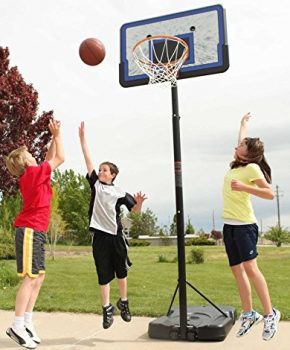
(179, 214)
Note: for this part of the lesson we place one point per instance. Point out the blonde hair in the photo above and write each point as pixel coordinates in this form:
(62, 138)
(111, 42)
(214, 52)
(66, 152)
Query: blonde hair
(16, 161)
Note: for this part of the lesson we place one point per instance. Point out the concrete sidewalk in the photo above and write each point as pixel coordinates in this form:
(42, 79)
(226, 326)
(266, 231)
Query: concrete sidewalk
(67, 331)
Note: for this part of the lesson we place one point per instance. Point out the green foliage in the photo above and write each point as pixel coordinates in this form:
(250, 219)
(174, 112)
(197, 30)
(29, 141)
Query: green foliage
(7, 251)
(138, 243)
(9, 208)
(189, 230)
(57, 225)
(278, 235)
(201, 241)
(8, 278)
(173, 227)
(74, 199)
(163, 259)
(196, 256)
(144, 223)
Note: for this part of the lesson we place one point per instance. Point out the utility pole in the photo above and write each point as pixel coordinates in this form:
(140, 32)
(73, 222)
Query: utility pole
(213, 220)
(278, 205)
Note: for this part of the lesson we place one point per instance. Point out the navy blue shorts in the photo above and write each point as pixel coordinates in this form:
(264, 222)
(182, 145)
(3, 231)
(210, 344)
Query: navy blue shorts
(240, 242)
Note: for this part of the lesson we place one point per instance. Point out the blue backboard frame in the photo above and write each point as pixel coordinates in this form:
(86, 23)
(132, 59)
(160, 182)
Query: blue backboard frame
(129, 31)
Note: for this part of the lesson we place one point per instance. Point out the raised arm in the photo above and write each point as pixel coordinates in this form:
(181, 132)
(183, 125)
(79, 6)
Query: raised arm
(244, 127)
(51, 150)
(55, 151)
(139, 199)
(85, 149)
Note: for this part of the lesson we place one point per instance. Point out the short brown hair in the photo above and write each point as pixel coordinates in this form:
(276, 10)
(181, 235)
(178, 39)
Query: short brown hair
(113, 169)
(16, 161)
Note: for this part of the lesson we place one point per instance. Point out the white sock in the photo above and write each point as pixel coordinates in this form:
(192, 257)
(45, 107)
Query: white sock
(28, 317)
(18, 322)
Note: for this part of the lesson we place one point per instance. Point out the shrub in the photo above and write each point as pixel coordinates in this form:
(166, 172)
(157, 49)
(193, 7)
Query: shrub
(201, 241)
(7, 251)
(8, 278)
(163, 259)
(196, 256)
(138, 243)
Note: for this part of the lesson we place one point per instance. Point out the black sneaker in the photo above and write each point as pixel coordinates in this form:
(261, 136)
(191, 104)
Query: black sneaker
(123, 306)
(108, 313)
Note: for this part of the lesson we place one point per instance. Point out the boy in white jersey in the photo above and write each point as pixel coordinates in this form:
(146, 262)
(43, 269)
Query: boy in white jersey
(249, 174)
(109, 245)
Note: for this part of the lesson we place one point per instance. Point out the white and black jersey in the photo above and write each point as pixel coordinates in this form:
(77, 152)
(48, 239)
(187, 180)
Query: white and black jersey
(105, 204)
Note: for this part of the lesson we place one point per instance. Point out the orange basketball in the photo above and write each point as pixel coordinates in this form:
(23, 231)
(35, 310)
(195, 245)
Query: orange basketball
(92, 51)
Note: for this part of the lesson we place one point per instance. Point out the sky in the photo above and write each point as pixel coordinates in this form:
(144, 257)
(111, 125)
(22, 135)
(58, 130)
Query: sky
(133, 127)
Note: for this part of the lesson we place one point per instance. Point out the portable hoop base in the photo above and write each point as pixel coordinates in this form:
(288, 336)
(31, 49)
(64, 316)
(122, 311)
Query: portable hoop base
(204, 323)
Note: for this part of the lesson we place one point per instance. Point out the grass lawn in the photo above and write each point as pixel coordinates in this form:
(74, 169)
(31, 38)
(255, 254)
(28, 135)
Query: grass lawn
(71, 282)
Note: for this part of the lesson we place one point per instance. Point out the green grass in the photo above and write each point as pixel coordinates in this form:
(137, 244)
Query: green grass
(71, 282)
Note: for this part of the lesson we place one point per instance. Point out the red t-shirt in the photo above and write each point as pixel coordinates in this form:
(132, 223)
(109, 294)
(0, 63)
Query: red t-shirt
(36, 192)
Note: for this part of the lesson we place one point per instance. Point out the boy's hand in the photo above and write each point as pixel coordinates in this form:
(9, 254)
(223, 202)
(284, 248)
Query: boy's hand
(246, 118)
(139, 197)
(54, 127)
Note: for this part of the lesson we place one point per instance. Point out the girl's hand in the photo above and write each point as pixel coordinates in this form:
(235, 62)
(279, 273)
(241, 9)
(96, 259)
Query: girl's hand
(237, 185)
(82, 130)
(246, 118)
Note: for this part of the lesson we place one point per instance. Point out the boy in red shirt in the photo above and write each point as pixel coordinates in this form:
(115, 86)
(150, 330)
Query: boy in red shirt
(31, 224)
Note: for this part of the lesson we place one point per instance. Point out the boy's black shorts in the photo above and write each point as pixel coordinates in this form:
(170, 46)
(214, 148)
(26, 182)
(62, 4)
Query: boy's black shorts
(30, 252)
(110, 255)
(240, 242)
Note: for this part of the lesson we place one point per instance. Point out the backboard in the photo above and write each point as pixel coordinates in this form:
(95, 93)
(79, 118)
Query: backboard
(204, 31)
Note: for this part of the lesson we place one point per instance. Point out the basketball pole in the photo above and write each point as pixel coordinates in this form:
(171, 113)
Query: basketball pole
(179, 213)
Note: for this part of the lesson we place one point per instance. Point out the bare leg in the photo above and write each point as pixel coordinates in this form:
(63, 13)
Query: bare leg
(34, 292)
(105, 291)
(122, 284)
(244, 286)
(23, 295)
(260, 284)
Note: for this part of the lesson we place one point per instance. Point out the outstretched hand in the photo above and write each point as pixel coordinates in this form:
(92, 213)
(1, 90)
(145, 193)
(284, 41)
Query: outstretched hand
(82, 130)
(139, 198)
(246, 118)
(54, 127)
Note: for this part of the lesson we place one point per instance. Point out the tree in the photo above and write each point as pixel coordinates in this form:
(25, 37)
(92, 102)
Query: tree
(19, 123)
(189, 230)
(74, 199)
(143, 223)
(173, 227)
(278, 235)
(9, 208)
(57, 225)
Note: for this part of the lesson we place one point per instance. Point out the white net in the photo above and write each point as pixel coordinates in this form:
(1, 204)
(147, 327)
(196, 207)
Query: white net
(161, 57)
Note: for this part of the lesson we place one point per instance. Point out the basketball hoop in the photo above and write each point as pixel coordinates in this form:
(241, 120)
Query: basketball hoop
(161, 57)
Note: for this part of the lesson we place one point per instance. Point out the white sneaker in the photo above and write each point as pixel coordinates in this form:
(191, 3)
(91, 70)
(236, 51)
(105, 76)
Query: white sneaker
(247, 322)
(271, 324)
(21, 337)
(32, 333)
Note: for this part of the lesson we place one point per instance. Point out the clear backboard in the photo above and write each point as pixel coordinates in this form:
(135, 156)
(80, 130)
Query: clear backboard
(203, 30)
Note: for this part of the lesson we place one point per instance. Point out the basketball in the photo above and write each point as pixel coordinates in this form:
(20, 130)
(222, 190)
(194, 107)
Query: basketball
(92, 51)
